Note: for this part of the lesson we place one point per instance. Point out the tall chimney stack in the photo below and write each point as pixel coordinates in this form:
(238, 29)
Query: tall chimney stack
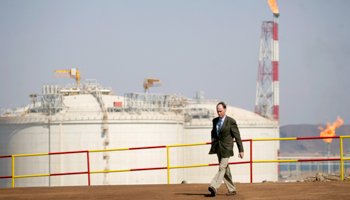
(275, 59)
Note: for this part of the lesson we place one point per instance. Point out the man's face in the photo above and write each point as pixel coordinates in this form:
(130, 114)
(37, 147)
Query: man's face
(221, 111)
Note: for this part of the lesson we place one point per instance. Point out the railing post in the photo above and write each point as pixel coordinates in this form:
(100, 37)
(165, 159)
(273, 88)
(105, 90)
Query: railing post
(88, 166)
(251, 161)
(341, 158)
(13, 171)
(167, 151)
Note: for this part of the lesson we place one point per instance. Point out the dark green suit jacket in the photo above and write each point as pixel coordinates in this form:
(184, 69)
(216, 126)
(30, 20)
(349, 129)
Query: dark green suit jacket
(223, 141)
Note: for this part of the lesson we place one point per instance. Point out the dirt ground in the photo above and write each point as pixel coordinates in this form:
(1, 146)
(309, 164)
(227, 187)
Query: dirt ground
(296, 190)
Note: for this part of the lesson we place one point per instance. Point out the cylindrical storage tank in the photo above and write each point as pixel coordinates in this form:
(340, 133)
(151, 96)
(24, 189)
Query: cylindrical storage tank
(24, 136)
(81, 126)
(251, 126)
(199, 131)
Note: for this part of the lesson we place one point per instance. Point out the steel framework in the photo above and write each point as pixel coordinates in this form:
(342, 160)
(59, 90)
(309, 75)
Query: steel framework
(51, 100)
(267, 89)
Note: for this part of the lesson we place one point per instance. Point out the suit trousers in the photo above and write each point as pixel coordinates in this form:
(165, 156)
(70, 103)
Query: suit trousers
(224, 173)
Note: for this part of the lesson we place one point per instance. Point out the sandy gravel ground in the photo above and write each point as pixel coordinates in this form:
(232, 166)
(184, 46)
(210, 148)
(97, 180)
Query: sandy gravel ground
(305, 190)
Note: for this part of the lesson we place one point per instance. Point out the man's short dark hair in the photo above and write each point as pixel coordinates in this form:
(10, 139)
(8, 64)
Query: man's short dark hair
(222, 103)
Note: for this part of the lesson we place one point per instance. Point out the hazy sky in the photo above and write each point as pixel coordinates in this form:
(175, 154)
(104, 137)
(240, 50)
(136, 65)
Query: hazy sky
(193, 45)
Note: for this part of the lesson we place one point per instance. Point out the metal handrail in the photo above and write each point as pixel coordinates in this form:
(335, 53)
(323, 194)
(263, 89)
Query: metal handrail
(168, 167)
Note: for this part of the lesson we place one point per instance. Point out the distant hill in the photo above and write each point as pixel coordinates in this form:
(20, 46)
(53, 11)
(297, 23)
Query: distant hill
(311, 146)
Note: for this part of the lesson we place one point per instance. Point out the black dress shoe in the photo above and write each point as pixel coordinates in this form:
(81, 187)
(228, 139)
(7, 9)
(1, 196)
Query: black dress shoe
(231, 193)
(212, 190)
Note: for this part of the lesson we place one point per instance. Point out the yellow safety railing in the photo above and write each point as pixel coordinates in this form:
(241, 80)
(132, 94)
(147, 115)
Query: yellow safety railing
(168, 167)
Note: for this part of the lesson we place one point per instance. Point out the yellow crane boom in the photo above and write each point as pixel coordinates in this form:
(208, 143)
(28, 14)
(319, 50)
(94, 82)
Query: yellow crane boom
(148, 82)
(71, 73)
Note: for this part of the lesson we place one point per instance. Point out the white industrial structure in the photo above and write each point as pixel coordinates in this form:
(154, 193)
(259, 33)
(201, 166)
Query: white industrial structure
(90, 117)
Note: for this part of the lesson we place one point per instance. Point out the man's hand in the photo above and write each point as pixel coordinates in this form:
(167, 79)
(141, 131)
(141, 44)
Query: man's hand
(212, 139)
(241, 155)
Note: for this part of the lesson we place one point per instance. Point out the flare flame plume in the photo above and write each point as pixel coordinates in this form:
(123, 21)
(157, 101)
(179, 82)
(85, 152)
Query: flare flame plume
(330, 130)
(273, 6)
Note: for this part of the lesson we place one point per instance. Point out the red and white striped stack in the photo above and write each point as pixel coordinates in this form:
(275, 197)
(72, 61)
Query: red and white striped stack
(275, 59)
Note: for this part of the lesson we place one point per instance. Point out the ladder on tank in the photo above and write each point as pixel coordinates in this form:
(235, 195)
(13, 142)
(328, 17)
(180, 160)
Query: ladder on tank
(98, 96)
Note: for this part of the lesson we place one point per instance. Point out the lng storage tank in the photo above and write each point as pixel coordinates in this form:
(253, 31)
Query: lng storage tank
(87, 116)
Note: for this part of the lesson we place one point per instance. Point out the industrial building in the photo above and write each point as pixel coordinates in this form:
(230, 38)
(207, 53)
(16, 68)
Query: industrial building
(89, 117)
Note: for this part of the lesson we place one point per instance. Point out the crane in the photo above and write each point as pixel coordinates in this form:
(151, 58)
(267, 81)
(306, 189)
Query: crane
(148, 82)
(71, 73)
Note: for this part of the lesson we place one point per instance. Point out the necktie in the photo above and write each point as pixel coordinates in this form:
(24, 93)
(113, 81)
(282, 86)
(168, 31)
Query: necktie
(219, 126)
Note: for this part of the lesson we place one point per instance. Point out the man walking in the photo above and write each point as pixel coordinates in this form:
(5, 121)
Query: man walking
(224, 131)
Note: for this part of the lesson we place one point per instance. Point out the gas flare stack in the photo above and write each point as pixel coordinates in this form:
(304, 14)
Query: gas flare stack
(267, 90)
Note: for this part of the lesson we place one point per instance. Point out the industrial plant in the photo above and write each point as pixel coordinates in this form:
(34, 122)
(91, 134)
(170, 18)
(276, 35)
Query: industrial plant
(88, 116)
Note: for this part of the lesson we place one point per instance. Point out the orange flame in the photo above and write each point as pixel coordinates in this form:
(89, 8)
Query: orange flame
(273, 6)
(330, 130)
